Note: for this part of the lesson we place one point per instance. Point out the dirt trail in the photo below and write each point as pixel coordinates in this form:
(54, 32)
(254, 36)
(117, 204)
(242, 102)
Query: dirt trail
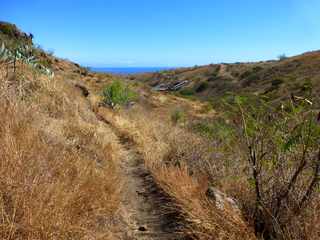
(145, 206)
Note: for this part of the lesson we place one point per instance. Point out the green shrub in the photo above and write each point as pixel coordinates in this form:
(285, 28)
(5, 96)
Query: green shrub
(117, 93)
(219, 130)
(202, 87)
(275, 85)
(257, 69)
(282, 57)
(307, 86)
(281, 147)
(187, 92)
(8, 29)
(277, 82)
(251, 79)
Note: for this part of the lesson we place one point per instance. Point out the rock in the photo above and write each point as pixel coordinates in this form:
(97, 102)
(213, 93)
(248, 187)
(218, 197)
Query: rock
(170, 87)
(142, 229)
(177, 86)
(220, 199)
(161, 87)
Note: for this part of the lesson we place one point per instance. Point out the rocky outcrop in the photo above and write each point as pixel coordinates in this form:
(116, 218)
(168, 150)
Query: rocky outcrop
(176, 86)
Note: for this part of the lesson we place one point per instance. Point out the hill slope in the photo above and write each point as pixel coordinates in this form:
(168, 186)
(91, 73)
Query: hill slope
(276, 79)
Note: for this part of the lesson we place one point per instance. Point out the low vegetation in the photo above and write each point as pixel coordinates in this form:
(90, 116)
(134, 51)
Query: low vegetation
(276, 79)
(48, 191)
(117, 93)
(281, 145)
(265, 156)
(186, 92)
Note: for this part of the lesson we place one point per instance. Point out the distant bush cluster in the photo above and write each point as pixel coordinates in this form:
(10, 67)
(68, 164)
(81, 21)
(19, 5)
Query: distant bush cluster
(282, 57)
(202, 87)
(187, 92)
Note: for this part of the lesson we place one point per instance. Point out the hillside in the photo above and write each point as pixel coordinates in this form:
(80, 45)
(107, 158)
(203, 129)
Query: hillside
(97, 156)
(275, 79)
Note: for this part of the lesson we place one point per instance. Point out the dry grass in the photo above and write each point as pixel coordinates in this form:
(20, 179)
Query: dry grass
(184, 165)
(180, 168)
(206, 220)
(64, 186)
(54, 185)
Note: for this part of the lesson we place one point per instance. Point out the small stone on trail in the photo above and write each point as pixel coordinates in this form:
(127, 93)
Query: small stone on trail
(142, 229)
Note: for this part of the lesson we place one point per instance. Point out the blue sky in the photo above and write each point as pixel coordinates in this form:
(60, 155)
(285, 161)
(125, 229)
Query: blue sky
(121, 33)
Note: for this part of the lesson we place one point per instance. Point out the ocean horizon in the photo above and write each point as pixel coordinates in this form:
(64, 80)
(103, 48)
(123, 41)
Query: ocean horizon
(129, 70)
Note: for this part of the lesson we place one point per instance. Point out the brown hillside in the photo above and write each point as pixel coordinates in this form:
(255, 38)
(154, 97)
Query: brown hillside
(275, 79)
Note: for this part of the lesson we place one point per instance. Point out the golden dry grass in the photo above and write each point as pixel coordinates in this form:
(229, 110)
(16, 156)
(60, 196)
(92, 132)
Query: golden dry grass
(205, 219)
(157, 141)
(184, 165)
(57, 182)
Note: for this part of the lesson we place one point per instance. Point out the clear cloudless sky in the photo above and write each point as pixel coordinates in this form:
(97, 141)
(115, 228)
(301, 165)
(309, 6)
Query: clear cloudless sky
(122, 33)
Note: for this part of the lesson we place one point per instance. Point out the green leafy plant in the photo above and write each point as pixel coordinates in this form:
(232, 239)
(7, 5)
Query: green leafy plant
(218, 130)
(117, 93)
(282, 146)
(187, 92)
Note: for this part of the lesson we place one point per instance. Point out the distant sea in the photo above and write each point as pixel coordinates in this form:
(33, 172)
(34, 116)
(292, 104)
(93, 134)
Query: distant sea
(129, 70)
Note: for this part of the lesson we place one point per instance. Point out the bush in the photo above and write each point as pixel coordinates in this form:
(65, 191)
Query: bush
(277, 82)
(8, 29)
(282, 57)
(187, 92)
(275, 85)
(307, 86)
(202, 87)
(281, 147)
(218, 130)
(257, 69)
(117, 93)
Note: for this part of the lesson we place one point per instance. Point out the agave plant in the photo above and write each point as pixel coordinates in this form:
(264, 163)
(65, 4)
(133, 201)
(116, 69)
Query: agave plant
(5, 54)
(27, 56)
(24, 54)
